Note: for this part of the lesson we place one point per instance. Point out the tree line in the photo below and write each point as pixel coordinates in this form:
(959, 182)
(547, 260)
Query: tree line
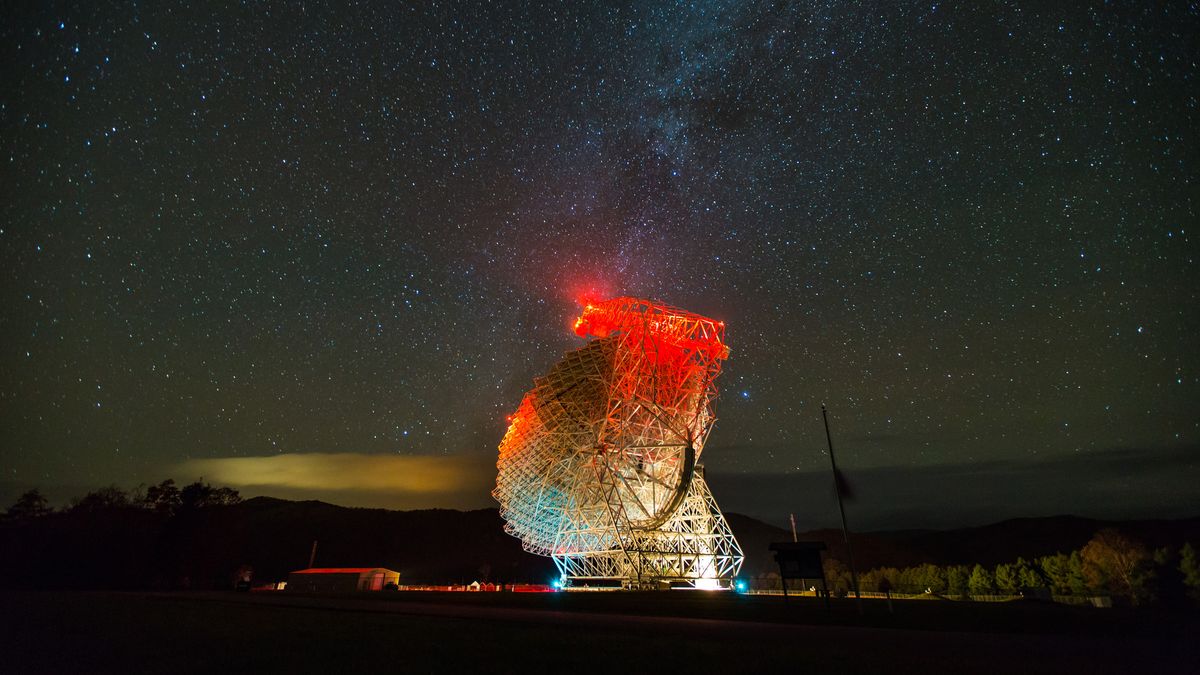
(165, 497)
(149, 537)
(171, 536)
(1111, 564)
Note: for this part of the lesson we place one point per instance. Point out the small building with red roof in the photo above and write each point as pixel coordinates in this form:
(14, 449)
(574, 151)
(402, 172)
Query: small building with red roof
(341, 579)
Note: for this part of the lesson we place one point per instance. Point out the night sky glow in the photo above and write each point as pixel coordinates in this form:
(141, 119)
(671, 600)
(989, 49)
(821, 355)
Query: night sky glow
(266, 230)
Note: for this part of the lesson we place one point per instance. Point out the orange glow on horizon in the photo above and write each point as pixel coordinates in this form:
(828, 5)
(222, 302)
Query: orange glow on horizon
(400, 474)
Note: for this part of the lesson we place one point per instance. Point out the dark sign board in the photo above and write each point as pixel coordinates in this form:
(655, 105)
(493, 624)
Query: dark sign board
(799, 559)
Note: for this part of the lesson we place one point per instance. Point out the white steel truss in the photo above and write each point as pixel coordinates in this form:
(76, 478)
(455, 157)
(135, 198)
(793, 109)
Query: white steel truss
(598, 468)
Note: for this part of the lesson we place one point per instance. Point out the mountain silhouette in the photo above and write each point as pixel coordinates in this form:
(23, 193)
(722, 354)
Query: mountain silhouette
(131, 547)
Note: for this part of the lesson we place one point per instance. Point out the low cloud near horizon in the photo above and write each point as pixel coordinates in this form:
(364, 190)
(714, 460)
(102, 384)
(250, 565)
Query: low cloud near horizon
(354, 479)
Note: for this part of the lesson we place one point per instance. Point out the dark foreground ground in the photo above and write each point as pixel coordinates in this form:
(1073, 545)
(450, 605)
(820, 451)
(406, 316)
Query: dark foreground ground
(58, 632)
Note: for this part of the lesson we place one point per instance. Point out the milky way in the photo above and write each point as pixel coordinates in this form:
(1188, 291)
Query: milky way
(263, 229)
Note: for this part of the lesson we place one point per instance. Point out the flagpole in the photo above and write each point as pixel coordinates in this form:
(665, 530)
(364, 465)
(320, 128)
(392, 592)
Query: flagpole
(837, 488)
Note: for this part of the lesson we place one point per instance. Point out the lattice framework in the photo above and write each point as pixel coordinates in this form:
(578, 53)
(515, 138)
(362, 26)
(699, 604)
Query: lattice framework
(598, 468)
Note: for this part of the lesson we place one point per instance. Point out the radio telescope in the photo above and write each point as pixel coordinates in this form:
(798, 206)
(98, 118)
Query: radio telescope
(598, 468)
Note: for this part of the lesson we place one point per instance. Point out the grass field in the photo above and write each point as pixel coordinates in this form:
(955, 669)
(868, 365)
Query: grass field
(680, 631)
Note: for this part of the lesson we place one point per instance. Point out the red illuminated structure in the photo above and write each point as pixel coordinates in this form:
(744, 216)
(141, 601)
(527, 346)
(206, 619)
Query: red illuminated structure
(599, 468)
(341, 579)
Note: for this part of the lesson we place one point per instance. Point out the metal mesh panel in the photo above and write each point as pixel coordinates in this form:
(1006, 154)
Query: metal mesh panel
(598, 467)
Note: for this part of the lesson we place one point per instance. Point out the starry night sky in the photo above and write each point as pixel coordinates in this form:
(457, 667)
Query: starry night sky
(267, 230)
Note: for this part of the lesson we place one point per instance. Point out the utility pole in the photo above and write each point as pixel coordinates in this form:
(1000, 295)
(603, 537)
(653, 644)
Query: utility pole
(837, 488)
(795, 538)
(312, 556)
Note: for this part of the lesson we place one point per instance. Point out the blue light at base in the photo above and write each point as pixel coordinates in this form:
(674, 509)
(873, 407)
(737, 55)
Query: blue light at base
(739, 585)
(557, 584)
